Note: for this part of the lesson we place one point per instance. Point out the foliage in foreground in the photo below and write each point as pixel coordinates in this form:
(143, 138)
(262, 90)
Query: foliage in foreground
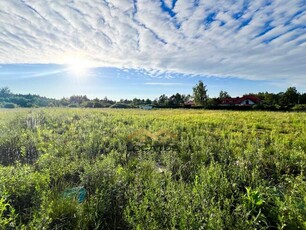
(221, 170)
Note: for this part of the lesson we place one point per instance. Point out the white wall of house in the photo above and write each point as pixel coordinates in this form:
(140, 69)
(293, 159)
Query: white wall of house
(146, 107)
(247, 102)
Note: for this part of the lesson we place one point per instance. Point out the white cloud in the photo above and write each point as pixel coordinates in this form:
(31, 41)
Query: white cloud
(163, 83)
(246, 39)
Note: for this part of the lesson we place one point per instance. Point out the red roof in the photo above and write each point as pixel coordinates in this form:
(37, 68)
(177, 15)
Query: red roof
(239, 100)
(190, 102)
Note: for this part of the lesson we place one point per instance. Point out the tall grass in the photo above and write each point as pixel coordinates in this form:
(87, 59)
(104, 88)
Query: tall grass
(219, 169)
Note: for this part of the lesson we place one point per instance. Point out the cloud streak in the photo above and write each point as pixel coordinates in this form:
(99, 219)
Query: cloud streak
(258, 39)
(164, 83)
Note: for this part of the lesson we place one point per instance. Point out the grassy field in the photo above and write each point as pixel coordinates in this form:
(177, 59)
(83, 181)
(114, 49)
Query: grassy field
(160, 169)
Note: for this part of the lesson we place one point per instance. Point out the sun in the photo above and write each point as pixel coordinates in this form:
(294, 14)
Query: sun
(78, 66)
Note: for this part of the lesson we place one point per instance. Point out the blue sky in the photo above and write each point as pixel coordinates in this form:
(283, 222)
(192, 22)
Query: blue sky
(116, 83)
(128, 48)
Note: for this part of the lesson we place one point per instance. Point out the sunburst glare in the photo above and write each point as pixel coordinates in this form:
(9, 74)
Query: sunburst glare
(78, 66)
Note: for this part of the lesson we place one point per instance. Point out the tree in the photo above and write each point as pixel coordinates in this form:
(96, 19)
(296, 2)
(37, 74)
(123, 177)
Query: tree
(213, 102)
(163, 100)
(136, 101)
(200, 94)
(148, 102)
(176, 99)
(78, 99)
(302, 98)
(186, 97)
(223, 94)
(268, 98)
(5, 92)
(291, 96)
(64, 101)
(155, 102)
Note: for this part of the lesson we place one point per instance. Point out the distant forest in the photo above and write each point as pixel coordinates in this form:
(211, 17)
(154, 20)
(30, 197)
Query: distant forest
(291, 99)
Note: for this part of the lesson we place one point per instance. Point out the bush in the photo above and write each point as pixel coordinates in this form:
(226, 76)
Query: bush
(301, 107)
(258, 107)
(73, 106)
(120, 106)
(24, 187)
(64, 214)
(9, 106)
(91, 104)
(98, 105)
(7, 214)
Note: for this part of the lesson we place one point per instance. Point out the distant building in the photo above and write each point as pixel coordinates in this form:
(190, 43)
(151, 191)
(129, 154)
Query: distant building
(247, 100)
(189, 103)
(146, 107)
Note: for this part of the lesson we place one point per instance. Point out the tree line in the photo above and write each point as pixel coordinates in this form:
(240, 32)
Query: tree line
(290, 99)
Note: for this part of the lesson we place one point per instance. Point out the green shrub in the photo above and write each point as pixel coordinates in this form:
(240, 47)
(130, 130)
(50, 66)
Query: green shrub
(7, 215)
(300, 107)
(24, 188)
(9, 106)
(120, 106)
(73, 106)
(258, 107)
(63, 214)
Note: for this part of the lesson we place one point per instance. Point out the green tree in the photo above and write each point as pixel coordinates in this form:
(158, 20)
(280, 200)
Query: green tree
(302, 98)
(200, 94)
(148, 101)
(186, 97)
(291, 96)
(176, 99)
(163, 100)
(64, 101)
(268, 98)
(78, 99)
(5, 92)
(136, 101)
(212, 102)
(223, 94)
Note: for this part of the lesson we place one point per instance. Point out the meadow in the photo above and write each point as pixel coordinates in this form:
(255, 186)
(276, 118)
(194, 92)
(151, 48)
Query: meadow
(159, 169)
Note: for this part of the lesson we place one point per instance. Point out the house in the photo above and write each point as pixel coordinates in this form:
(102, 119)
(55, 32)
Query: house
(247, 100)
(189, 103)
(146, 107)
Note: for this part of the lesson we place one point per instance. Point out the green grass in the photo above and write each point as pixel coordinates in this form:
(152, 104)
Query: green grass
(208, 170)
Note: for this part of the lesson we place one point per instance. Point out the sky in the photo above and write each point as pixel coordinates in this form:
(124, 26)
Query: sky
(145, 48)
